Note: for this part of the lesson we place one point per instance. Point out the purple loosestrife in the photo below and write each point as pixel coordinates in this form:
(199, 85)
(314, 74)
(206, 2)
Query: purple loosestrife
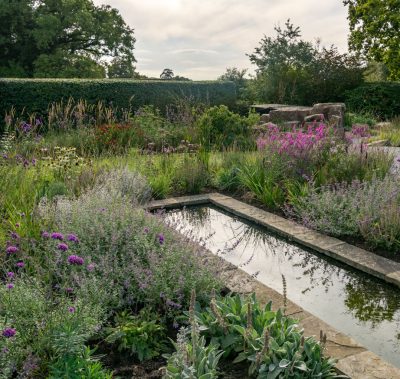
(76, 260)
(62, 247)
(12, 249)
(9, 332)
(57, 236)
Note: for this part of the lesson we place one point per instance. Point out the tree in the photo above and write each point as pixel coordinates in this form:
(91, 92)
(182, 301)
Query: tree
(375, 31)
(281, 62)
(235, 75)
(122, 68)
(167, 74)
(60, 38)
(290, 70)
(182, 78)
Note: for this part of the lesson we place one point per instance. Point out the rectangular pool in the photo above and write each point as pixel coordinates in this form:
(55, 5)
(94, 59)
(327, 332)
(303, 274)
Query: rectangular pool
(356, 304)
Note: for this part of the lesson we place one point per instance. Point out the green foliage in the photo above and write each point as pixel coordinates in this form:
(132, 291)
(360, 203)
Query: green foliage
(167, 74)
(293, 71)
(121, 68)
(192, 175)
(80, 366)
(358, 209)
(35, 96)
(221, 128)
(50, 38)
(351, 118)
(271, 342)
(193, 359)
(374, 31)
(140, 335)
(264, 180)
(380, 99)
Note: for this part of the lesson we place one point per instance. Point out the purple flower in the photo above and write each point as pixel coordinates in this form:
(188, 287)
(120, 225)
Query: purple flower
(11, 249)
(90, 266)
(57, 236)
(72, 238)
(172, 304)
(9, 286)
(69, 290)
(75, 260)
(62, 247)
(45, 235)
(146, 230)
(14, 235)
(161, 238)
(20, 264)
(71, 309)
(10, 274)
(9, 332)
(17, 225)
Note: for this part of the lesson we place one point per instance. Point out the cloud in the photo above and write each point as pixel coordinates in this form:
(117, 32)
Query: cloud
(200, 39)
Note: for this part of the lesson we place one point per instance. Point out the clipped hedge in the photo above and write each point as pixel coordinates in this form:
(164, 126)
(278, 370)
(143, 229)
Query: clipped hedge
(381, 99)
(34, 95)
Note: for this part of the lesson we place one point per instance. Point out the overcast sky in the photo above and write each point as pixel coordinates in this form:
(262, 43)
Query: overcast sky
(199, 39)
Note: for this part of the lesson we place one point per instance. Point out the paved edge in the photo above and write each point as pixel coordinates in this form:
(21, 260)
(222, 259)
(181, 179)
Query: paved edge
(354, 360)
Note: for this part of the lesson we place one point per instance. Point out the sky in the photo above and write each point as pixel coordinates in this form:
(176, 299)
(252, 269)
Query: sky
(199, 39)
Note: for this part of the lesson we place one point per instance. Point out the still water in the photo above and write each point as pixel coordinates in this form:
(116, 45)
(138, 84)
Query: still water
(356, 304)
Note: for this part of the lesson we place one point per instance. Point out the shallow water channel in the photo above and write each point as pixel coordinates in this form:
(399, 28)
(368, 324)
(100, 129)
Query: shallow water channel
(356, 304)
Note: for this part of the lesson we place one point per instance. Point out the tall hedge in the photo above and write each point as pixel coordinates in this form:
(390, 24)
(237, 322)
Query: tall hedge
(381, 99)
(34, 95)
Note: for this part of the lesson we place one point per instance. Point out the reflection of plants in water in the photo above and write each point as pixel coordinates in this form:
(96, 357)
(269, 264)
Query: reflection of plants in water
(199, 224)
(371, 301)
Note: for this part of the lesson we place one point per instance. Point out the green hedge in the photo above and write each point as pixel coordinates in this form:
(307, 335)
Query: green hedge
(380, 99)
(34, 95)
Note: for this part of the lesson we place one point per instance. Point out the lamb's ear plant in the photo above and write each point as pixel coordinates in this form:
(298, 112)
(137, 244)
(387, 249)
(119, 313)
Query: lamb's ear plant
(193, 358)
(272, 344)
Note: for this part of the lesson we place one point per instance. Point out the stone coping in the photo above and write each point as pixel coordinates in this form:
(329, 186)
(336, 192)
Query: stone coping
(354, 360)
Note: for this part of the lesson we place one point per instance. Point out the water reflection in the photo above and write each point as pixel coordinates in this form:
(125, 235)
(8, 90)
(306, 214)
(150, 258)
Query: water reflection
(356, 304)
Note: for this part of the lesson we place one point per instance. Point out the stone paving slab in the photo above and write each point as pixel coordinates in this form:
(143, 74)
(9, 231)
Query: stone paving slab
(367, 365)
(353, 359)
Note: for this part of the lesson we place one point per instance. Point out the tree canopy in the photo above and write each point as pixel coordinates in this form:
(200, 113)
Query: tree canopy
(60, 38)
(167, 74)
(375, 31)
(291, 70)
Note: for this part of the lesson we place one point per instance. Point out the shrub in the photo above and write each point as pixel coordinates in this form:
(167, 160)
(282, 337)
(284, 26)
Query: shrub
(141, 335)
(380, 99)
(35, 95)
(136, 256)
(367, 209)
(221, 128)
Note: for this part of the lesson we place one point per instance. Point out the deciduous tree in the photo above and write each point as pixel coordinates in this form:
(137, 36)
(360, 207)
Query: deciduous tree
(60, 38)
(375, 31)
